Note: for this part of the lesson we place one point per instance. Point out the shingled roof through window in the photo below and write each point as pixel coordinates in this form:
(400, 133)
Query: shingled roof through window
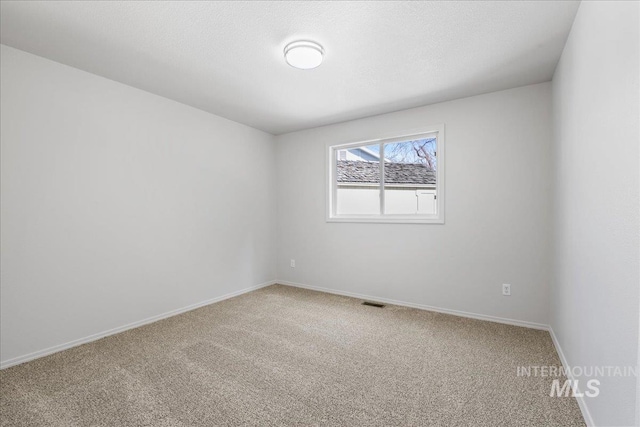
(395, 173)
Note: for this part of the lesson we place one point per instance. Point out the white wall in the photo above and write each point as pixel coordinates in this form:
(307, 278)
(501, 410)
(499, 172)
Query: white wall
(118, 205)
(596, 276)
(497, 215)
(398, 200)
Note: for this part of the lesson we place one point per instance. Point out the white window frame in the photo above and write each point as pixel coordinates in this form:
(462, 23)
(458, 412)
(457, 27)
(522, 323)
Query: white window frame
(438, 218)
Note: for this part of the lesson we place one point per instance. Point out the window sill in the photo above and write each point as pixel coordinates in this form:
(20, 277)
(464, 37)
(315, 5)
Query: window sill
(387, 220)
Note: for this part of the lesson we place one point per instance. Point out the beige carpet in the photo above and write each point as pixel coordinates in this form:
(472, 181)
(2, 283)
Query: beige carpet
(286, 356)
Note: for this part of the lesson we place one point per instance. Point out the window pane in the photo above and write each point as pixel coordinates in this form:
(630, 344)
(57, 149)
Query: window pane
(410, 177)
(358, 180)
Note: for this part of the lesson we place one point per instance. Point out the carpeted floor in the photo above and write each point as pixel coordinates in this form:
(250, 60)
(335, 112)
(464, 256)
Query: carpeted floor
(287, 356)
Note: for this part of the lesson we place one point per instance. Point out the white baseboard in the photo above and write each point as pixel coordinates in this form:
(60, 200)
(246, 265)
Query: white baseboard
(56, 348)
(582, 403)
(478, 316)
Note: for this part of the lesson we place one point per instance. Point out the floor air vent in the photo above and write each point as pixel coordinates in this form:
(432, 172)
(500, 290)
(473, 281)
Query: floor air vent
(373, 304)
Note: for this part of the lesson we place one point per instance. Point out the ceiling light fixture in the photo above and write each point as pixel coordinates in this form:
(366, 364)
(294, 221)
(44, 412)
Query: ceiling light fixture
(304, 55)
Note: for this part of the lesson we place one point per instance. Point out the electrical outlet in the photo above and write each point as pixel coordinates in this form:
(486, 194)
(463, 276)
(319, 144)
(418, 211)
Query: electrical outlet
(506, 290)
(293, 263)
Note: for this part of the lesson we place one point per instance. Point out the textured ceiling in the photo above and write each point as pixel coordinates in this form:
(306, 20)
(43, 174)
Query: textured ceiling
(226, 57)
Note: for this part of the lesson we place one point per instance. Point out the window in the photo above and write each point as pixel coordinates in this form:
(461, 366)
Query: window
(397, 179)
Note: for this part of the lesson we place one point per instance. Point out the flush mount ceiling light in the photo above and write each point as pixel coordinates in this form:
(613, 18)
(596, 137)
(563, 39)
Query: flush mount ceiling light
(304, 55)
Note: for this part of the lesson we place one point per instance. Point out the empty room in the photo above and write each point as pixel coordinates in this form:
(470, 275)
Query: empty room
(319, 213)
